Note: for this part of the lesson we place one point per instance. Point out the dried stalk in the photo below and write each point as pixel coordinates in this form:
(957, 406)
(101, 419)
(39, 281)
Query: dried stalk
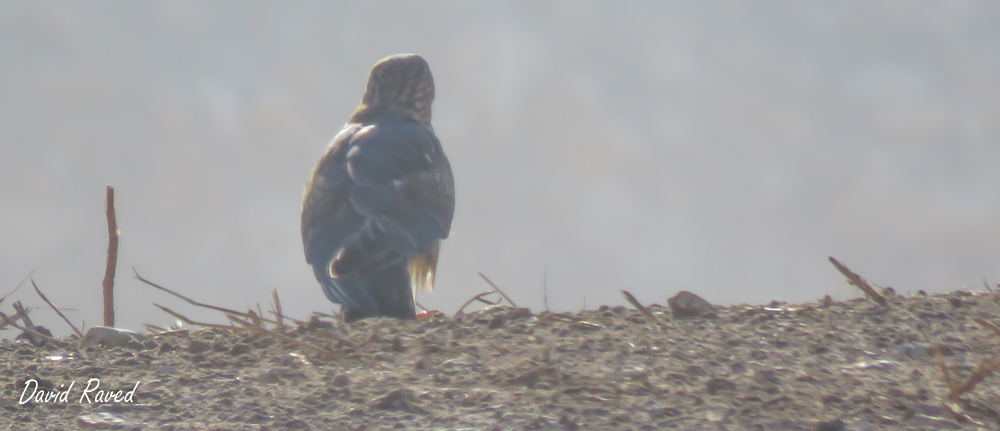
(153, 329)
(568, 318)
(23, 314)
(635, 303)
(2, 298)
(939, 361)
(192, 322)
(987, 325)
(8, 321)
(4, 323)
(293, 320)
(985, 369)
(254, 317)
(196, 303)
(261, 330)
(71, 325)
(545, 287)
(498, 290)
(326, 315)
(277, 307)
(860, 282)
(479, 297)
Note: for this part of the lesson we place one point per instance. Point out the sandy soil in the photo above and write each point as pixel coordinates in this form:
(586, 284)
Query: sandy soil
(821, 366)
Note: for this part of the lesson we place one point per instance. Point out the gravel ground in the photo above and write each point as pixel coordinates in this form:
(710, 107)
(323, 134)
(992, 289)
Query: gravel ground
(822, 366)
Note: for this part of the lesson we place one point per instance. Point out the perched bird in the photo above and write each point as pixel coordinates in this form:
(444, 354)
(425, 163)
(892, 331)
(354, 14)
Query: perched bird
(382, 197)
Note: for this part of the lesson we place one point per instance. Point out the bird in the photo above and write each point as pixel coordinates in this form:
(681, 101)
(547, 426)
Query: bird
(381, 198)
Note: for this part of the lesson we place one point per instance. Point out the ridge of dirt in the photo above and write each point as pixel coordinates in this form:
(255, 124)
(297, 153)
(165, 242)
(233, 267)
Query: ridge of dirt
(822, 366)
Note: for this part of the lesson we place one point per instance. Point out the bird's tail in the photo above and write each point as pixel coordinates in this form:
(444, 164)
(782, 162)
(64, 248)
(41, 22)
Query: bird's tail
(385, 292)
(349, 291)
(390, 288)
(422, 269)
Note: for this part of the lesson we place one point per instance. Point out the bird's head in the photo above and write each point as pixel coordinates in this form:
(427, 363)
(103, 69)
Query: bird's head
(402, 81)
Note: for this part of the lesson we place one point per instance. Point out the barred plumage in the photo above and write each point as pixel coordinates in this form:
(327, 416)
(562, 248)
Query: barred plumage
(381, 198)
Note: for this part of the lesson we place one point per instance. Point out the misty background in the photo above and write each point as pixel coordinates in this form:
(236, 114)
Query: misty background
(726, 148)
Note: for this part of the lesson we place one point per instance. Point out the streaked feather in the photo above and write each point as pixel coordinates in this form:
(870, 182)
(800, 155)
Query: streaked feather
(422, 269)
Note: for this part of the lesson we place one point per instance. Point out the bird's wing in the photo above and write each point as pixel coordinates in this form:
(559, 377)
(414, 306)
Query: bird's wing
(404, 188)
(434, 191)
(329, 220)
(382, 195)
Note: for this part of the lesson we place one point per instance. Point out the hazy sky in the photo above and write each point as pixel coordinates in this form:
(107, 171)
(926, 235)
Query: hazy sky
(723, 148)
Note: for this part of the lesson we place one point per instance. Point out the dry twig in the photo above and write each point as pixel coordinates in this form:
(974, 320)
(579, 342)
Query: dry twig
(277, 307)
(939, 361)
(4, 323)
(261, 330)
(559, 317)
(293, 320)
(23, 314)
(326, 315)
(196, 303)
(8, 321)
(18, 286)
(985, 369)
(153, 329)
(498, 290)
(109, 269)
(479, 297)
(545, 287)
(254, 318)
(40, 294)
(192, 322)
(982, 371)
(635, 303)
(569, 318)
(987, 325)
(860, 282)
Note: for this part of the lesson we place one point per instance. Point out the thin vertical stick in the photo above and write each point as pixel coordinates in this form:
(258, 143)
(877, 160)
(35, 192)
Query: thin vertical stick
(277, 307)
(545, 287)
(109, 269)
